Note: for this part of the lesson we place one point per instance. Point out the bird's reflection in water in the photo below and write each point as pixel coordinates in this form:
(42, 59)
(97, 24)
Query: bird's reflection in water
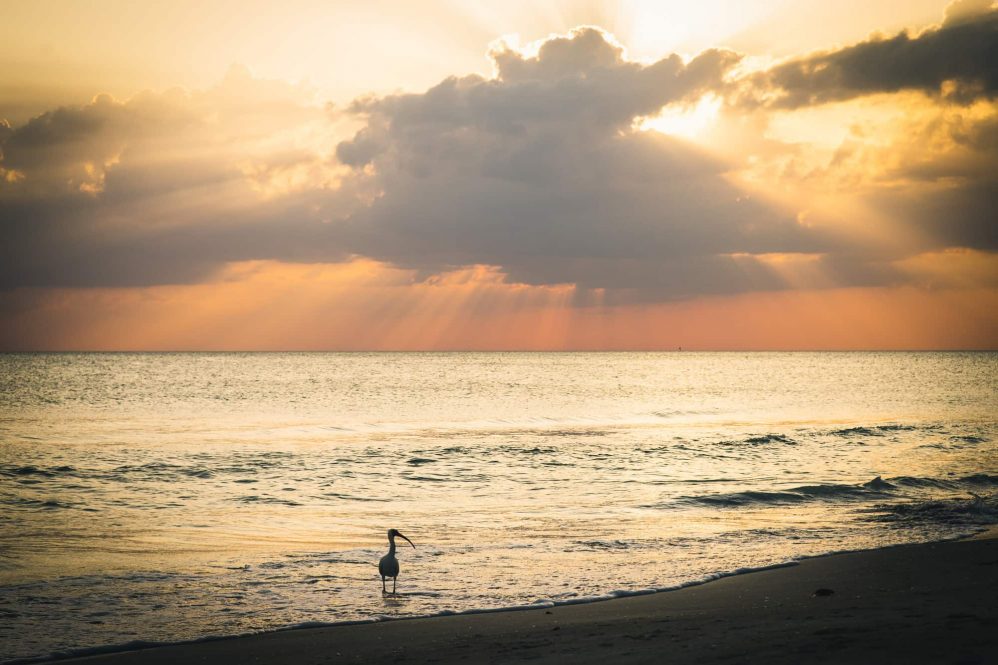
(393, 599)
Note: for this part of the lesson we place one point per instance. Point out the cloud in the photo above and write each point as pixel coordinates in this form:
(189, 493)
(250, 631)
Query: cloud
(581, 82)
(924, 171)
(966, 10)
(71, 148)
(541, 171)
(957, 61)
(920, 150)
(167, 187)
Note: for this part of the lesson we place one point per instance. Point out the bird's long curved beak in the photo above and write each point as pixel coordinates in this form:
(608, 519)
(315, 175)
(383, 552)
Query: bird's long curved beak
(406, 539)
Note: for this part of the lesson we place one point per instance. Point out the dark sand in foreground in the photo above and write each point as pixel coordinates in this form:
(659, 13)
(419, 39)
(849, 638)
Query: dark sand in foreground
(934, 603)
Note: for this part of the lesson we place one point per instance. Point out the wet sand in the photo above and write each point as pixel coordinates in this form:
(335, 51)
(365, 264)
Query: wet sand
(933, 603)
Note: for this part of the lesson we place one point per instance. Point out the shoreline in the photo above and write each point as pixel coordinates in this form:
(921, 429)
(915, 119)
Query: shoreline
(909, 589)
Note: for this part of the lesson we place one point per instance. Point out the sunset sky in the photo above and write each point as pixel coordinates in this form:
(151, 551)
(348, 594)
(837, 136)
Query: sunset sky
(450, 174)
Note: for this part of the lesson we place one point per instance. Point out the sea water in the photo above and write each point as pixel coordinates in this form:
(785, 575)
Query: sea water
(167, 497)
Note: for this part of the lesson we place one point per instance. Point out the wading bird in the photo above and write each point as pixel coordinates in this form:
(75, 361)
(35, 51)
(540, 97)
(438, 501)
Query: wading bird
(389, 565)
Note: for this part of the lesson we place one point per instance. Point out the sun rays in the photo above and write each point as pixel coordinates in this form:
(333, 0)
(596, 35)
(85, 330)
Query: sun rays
(635, 175)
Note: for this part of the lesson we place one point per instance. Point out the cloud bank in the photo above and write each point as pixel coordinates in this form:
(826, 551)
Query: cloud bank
(541, 171)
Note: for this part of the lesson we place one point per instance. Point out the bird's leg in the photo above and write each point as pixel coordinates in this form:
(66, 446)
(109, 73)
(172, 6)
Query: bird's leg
(394, 580)
(383, 589)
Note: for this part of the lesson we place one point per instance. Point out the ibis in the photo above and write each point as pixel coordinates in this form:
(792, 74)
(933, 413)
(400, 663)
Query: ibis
(389, 565)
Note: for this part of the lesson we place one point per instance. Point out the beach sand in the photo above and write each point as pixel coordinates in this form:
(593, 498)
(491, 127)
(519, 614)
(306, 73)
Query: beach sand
(932, 603)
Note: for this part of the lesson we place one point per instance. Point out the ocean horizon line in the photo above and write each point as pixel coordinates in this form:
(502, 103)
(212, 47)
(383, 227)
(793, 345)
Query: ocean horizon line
(489, 351)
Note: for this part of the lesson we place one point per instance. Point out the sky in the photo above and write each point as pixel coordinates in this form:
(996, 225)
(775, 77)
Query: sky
(476, 175)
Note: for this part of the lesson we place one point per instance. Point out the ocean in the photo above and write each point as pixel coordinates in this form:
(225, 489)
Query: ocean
(152, 497)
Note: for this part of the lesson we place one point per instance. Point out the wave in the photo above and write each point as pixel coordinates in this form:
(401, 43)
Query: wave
(793, 495)
(351, 497)
(977, 480)
(770, 438)
(156, 471)
(969, 438)
(873, 489)
(879, 483)
(574, 433)
(31, 470)
(977, 510)
(43, 504)
(598, 545)
(872, 430)
(267, 499)
(762, 439)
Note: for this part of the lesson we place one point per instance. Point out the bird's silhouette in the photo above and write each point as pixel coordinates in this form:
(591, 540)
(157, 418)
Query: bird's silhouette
(389, 565)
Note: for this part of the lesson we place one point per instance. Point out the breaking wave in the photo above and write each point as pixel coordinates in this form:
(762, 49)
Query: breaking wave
(975, 510)
(871, 490)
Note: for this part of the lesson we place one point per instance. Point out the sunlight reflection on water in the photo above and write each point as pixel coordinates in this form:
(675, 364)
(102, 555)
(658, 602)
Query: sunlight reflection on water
(172, 496)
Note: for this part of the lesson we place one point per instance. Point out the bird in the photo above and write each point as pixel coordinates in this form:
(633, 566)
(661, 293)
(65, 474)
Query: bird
(389, 565)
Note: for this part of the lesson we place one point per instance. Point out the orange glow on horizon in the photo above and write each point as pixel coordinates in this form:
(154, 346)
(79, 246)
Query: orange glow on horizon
(140, 151)
(364, 305)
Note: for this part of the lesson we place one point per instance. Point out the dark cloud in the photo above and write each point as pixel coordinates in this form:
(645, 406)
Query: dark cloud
(540, 171)
(960, 11)
(957, 61)
(949, 215)
(5, 131)
(581, 83)
(160, 189)
(53, 150)
(63, 244)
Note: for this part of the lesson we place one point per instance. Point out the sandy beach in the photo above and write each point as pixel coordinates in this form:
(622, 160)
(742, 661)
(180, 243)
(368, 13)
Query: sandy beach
(931, 603)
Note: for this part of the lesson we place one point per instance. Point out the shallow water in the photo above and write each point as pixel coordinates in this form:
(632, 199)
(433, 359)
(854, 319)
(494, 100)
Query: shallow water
(174, 496)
